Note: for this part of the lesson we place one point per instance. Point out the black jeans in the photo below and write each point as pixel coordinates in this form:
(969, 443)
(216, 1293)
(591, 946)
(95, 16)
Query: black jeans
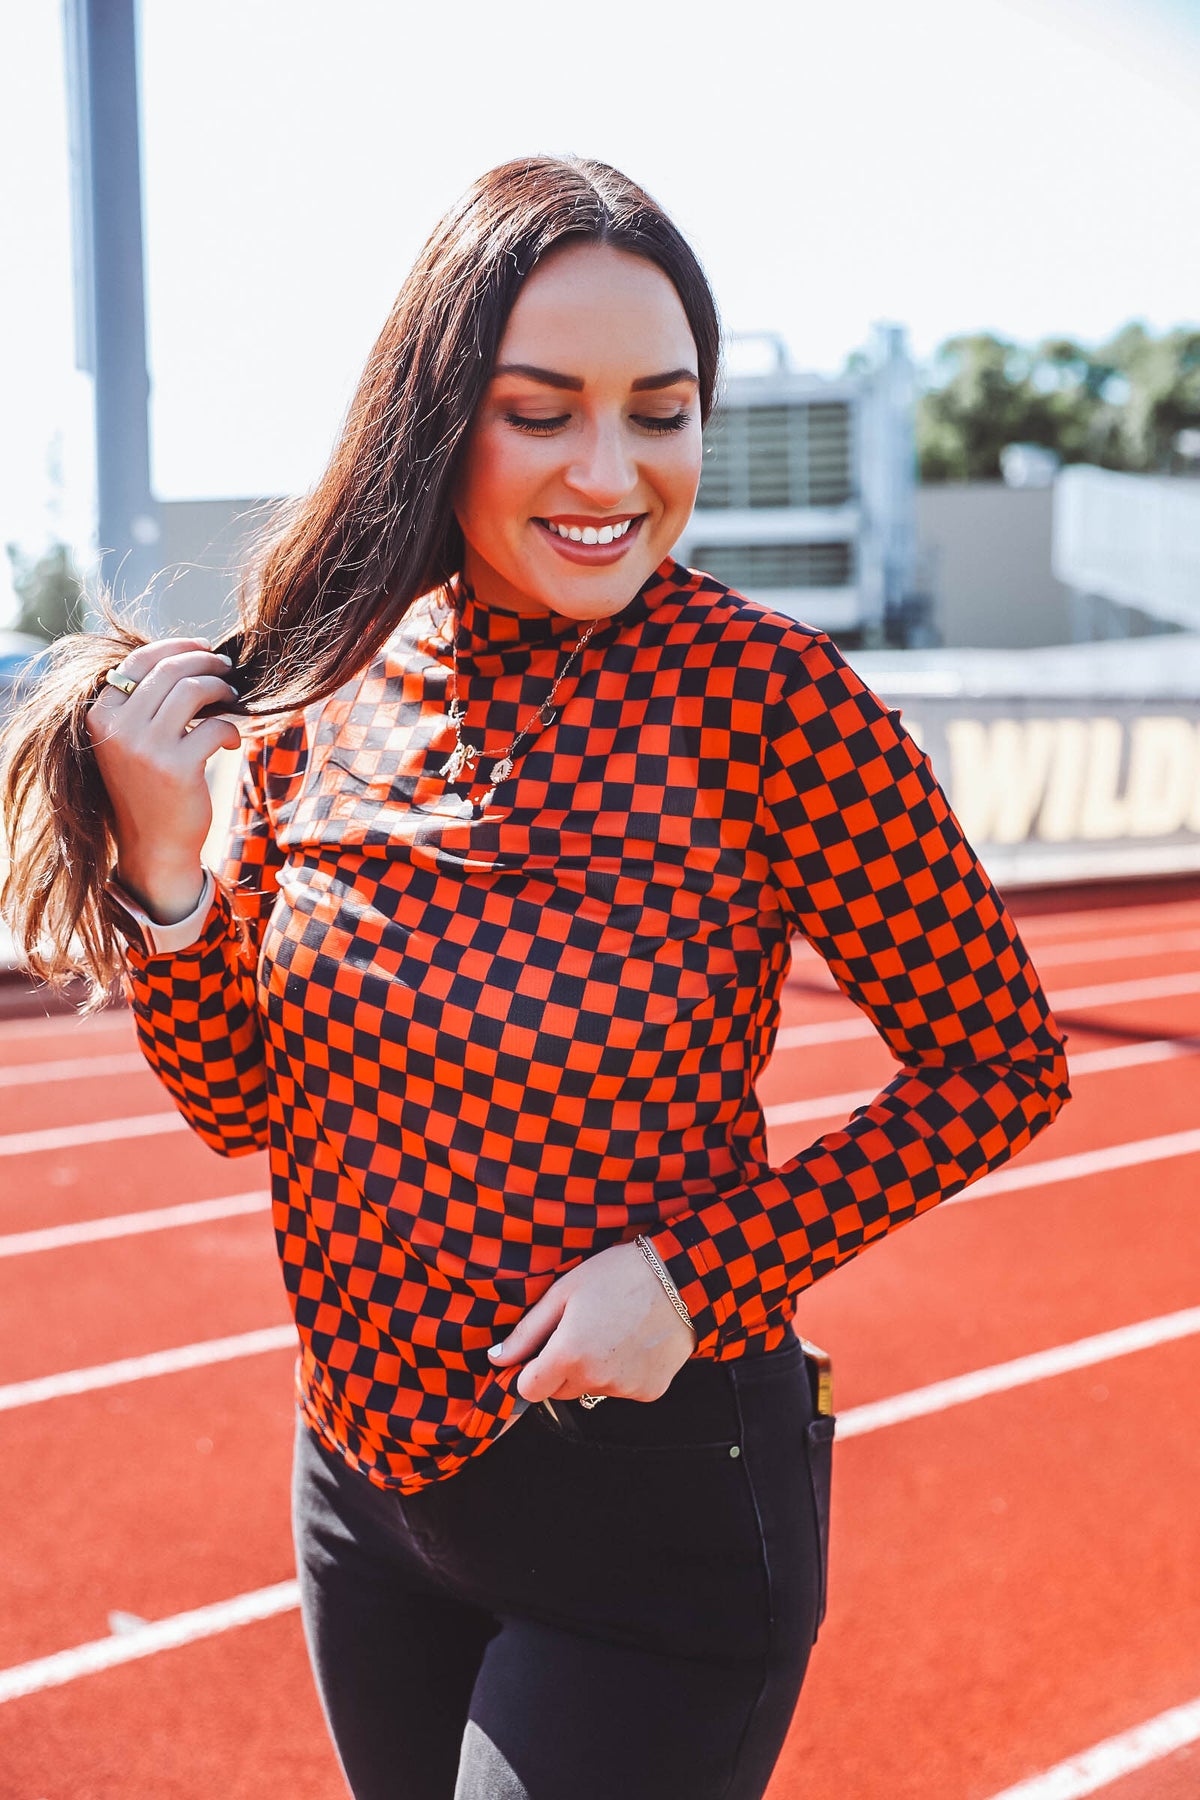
(615, 1604)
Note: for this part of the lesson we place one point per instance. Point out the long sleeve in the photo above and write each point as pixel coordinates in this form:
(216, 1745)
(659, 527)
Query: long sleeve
(195, 1010)
(871, 867)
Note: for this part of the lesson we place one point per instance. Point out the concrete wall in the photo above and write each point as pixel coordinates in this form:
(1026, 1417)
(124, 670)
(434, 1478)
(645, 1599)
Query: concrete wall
(985, 549)
(203, 546)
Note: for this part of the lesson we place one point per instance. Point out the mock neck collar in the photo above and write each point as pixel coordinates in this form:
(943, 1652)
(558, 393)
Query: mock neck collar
(492, 634)
(486, 631)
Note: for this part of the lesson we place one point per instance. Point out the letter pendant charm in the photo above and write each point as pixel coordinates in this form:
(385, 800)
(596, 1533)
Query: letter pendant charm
(502, 771)
(461, 762)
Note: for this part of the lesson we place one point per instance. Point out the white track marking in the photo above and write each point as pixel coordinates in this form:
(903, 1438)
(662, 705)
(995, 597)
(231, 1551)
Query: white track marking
(139, 1368)
(1053, 1169)
(1156, 915)
(822, 1106)
(208, 1621)
(1132, 1056)
(100, 1131)
(837, 1031)
(790, 1037)
(119, 1225)
(1164, 943)
(1084, 1353)
(1112, 993)
(74, 1068)
(1146, 917)
(1106, 1762)
(112, 1019)
(1119, 993)
(1089, 1062)
(147, 1640)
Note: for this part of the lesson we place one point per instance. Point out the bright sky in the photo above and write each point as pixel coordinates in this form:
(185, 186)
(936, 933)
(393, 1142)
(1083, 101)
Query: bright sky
(1023, 166)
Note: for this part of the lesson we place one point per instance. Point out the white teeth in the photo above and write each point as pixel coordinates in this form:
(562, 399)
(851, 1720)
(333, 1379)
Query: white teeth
(590, 534)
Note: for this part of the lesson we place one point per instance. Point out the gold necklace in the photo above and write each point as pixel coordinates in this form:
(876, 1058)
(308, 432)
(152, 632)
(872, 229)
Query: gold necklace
(464, 756)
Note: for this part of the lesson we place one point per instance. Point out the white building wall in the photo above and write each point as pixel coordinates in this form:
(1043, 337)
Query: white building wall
(986, 546)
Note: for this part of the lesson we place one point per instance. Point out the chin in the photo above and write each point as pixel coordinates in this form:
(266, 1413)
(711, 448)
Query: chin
(592, 593)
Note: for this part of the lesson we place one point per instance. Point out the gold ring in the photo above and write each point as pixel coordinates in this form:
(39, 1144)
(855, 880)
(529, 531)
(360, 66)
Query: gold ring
(122, 682)
(590, 1400)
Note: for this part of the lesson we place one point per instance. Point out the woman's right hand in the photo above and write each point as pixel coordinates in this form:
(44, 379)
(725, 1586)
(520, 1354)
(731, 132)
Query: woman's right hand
(153, 767)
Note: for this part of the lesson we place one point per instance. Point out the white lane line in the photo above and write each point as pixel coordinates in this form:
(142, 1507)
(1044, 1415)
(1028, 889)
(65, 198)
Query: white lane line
(836, 1031)
(1112, 993)
(100, 1131)
(147, 1640)
(918, 1403)
(207, 1621)
(1117, 993)
(1159, 943)
(111, 1019)
(1038, 928)
(119, 1225)
(1053, 1169)
(67, 1137)
(822, 1106)
(74, 1068)
(139, 1368)
(791, 1037)
(1107, 1761)
(251, 1343)
(1132, 1056)
(1089, 1062)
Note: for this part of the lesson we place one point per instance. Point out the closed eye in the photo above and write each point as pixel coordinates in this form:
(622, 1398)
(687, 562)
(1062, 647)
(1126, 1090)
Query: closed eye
(543, 427)
(539, 427)
(674, 422)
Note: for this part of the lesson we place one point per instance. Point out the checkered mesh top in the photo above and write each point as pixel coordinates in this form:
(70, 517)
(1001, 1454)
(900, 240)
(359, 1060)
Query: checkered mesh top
(482, 1043)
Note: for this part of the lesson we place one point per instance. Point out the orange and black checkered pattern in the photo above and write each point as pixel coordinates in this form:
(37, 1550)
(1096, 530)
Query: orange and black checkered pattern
(484, 1041)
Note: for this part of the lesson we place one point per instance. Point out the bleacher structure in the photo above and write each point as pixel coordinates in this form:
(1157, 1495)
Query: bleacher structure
(808, 497)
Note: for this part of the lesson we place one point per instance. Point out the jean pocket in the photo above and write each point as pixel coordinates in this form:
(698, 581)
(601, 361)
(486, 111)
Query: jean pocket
(820, 1468)
(698, 1413)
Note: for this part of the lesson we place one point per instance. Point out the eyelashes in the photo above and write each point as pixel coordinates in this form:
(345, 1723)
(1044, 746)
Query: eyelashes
(544, 427)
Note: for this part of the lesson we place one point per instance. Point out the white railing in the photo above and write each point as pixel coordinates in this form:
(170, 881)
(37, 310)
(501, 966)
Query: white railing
(1134, 539)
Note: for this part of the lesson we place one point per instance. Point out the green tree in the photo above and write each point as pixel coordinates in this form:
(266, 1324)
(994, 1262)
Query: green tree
(1120, 405)
(1162, 376)
(982, 397)
(49, 591)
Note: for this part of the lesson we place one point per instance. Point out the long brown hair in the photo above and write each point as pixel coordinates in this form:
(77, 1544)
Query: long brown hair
(340, 568)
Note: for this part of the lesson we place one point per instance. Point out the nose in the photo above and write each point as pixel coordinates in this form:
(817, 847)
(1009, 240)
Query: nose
(603, 472)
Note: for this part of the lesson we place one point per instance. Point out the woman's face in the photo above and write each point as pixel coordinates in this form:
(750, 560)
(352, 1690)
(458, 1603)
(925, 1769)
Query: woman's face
(591, 426)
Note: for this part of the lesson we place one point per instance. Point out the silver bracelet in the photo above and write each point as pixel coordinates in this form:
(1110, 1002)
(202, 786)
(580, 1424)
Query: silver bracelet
(660, 1269)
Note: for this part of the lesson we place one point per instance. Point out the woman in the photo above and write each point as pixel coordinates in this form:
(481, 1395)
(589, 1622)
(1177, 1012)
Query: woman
(491, 968)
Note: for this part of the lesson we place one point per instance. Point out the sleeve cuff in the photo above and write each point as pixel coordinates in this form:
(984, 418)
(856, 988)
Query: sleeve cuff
(145, 933)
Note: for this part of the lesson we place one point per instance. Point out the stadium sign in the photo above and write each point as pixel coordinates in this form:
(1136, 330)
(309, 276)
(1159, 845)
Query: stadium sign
(1052, 790)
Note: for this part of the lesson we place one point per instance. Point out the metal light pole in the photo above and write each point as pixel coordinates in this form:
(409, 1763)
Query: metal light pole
(110, 310)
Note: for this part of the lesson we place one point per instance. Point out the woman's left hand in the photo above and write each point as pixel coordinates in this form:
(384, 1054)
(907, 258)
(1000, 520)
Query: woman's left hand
(605, 1327)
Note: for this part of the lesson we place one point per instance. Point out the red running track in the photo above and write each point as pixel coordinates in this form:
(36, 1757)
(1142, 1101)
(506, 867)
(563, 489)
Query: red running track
(1015, 1578)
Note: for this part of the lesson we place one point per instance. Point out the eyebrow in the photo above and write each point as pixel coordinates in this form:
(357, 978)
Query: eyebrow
(551, 378)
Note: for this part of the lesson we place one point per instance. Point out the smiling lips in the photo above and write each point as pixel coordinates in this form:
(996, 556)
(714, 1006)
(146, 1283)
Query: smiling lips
(582, 541)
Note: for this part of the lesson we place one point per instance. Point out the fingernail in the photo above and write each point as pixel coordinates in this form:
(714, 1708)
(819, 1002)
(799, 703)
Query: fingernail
(221, 657)
(496, 1350)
